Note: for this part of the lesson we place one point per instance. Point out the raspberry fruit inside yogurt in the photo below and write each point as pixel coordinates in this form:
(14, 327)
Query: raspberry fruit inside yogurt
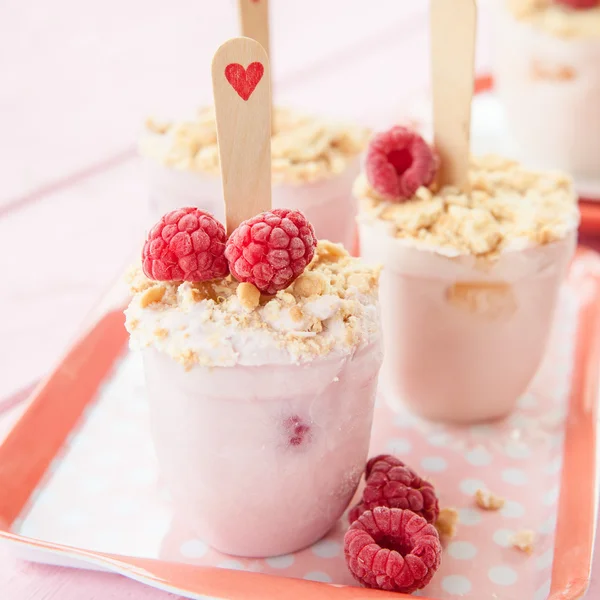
(297, 430)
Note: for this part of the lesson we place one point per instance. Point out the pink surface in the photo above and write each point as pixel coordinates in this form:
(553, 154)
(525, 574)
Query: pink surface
(77, 79)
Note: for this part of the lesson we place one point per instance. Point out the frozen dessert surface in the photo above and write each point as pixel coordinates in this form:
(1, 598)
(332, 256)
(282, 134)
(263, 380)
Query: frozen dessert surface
(558, 18)
(303, 148)
(331, 309)
(509, 207)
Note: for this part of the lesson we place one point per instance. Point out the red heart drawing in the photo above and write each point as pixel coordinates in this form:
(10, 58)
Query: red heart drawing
(244, 81)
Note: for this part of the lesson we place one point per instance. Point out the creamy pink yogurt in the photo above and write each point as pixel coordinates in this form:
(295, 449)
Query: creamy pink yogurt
(262, 460)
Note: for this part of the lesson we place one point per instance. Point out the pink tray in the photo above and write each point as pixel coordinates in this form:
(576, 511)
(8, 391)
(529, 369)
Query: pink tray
(78, 482)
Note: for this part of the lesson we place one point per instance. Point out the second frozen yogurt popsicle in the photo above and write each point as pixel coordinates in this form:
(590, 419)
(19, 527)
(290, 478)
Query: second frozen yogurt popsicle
(470, 280)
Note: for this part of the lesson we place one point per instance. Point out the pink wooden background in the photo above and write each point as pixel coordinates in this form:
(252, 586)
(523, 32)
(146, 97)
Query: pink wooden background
(76, 80)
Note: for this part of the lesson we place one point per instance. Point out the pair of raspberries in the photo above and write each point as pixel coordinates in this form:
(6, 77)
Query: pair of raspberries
(391, 543)
(269, 250)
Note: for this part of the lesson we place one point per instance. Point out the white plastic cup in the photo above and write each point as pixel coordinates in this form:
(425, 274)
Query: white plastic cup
(550, 89)
(262, 460)
(328, 203)
(462, 340)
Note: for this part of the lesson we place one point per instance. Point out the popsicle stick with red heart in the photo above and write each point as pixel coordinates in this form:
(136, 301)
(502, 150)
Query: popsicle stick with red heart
(240, 74)
(453, 28)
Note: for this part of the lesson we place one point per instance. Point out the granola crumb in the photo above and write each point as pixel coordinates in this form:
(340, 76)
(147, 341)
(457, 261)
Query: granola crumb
(303, 148)
(309, 284)
(157, 126)
(296, 314)
(486, 500)
(320, 312)
(136, 280)
(328, 252)
(447, 523)
(523, 540)
(249, 295)
(152, 295)
(491, 300)
(362, 282)
(509, 206)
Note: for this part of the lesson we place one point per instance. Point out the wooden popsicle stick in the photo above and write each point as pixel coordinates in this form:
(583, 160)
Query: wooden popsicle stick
(254, 21)
(240, 74)
(453, 32)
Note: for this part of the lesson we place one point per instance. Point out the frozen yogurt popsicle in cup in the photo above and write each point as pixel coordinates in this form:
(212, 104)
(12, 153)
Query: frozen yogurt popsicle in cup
(547, 77)
(474, 251)
(469, 283)
(261, 353)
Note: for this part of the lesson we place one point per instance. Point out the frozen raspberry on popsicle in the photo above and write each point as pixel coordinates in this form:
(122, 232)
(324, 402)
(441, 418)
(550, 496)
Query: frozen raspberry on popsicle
(392, 549)
(579, 4)
(272, 249)
(399, 162)
(389, 482)
(187, 244)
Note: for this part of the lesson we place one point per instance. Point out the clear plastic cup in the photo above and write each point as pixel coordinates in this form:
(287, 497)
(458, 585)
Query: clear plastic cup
(262, 460)
(550, 89)
(328, 203)
(463, 338)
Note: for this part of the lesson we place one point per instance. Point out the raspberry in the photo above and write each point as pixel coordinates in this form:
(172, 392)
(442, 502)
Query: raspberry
(297, 430)
(579, 4)
(399, 162)
(187, 244)
(389, 482)
(271, 249)
(392, 549)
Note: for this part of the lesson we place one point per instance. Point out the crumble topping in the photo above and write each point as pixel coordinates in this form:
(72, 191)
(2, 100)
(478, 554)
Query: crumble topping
(558, 19)
(152, 295)
(249, 295)
(523, 540)
(330, 309)
(488, 500)
(507, 205)
(303, 148)
(447, 523)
